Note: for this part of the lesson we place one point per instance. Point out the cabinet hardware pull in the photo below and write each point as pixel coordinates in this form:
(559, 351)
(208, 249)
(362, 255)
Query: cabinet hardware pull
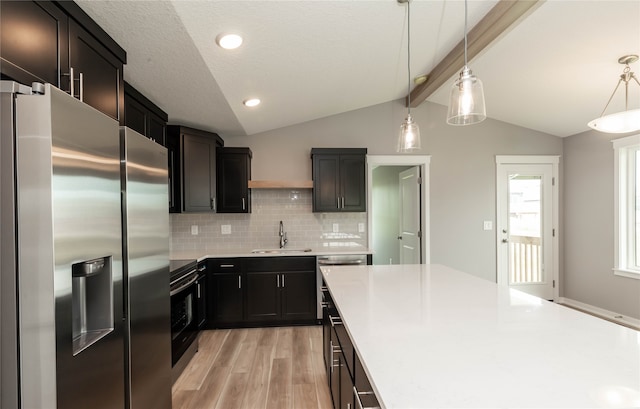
(243, 203)
(338, 202)
(324, 289)
(227, 265)
(335, 321)
(202, 268)
(324, 304)
(199, 291)
(81, 87)
(343, 202)
(357, 395)
(283, 281)
(331, 349)
(278, 278)
(72, 82)
(239, 282)
(357, 398)
(211, 203)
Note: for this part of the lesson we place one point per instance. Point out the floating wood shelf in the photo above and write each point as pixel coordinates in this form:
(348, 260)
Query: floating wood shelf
(280, 184)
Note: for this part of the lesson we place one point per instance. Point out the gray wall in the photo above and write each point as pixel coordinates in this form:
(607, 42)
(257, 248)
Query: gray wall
(589, 227)
(462, 168)
(462, 188)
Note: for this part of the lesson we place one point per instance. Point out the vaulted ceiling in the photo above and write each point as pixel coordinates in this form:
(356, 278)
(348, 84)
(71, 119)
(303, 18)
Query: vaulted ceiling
(552, 71)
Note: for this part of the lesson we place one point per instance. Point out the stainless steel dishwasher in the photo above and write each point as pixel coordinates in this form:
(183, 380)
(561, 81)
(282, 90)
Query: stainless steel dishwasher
(336, 260)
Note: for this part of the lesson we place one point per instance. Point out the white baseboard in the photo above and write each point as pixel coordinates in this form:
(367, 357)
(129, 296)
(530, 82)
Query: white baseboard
(610, 315)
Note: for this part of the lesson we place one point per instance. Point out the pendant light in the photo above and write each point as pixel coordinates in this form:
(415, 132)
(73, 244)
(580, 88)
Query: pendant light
(466, 104)
(627, 120)
(409, 136)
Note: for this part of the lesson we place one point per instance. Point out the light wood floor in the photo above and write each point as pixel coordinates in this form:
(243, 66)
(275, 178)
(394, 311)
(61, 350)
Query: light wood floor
(255, 368)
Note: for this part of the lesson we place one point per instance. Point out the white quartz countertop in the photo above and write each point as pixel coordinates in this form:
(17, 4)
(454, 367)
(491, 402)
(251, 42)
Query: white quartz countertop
(433, 337)
(202, 255)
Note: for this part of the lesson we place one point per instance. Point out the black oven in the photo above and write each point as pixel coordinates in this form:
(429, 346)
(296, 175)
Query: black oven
(184, 303)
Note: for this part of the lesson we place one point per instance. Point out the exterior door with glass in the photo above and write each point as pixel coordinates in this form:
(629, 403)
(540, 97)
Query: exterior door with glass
(526, 232)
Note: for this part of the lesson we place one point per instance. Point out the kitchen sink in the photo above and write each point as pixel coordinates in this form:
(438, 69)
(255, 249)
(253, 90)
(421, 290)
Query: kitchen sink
(280, 251)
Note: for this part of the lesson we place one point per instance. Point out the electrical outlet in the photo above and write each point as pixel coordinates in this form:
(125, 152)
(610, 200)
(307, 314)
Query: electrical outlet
(360, 227)
(225, 229)
(194, 229)
(488, 225)
(336, 227)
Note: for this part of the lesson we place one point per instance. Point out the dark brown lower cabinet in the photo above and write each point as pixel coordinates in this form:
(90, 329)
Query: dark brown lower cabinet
(350, 387)
(257, 291)
(225, 292)
(226, 298)
(263, 296)
(286, 297)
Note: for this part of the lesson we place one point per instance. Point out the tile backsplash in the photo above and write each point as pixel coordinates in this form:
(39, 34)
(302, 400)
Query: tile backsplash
(259, 229)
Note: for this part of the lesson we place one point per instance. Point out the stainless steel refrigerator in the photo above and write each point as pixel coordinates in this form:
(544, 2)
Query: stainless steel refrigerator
(146, 253)
(70, 329)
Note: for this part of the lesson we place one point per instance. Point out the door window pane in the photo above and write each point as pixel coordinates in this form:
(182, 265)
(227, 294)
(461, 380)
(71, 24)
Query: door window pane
(525, 229)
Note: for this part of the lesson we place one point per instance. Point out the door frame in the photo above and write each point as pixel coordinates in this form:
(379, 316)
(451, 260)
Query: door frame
(554, 161)
(423, 161)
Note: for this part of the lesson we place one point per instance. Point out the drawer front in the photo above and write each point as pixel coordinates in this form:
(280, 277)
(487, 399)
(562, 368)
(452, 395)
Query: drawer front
(225, 265)
(280, 264)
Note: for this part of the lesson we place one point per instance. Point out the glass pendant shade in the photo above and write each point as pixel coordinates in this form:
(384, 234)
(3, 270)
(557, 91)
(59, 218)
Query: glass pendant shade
(620, 122)
(409, 136)
(466, 103)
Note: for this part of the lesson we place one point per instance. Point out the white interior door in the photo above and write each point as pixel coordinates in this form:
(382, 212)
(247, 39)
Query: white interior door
(409, 238)
(526, 232)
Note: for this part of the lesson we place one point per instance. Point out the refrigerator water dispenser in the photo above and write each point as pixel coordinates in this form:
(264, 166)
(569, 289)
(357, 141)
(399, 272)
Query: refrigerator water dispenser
(92, 302)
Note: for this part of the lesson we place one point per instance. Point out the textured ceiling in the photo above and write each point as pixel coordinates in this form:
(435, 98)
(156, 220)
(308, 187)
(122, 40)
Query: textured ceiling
(309, 59)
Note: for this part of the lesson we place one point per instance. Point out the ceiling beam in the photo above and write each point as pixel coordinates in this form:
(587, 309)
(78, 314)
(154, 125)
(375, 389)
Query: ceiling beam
(492, 26)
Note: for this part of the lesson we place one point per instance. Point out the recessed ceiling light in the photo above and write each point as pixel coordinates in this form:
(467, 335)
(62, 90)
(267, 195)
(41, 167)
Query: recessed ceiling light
(229, 41)
(251, 102)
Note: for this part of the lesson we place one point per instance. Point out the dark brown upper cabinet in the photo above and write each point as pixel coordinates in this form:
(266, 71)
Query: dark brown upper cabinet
(339, 179)
(58, 43)
(234, 173)
(192, 169)
(143, 116)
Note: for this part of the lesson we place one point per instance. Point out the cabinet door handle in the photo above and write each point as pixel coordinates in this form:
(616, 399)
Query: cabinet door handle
(334, 349)
(334, 321)
(199, 296)
(342, 202)
(357, 395)
(243, 203)
(71, 81)
(338, 202)
(227, 265)
(283, 281)
(239, 282)
(81, 87)
(278, 278)
(211, 203)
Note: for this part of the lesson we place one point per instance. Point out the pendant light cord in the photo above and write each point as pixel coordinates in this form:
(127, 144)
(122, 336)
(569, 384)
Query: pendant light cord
(465, 33)
(409, 57)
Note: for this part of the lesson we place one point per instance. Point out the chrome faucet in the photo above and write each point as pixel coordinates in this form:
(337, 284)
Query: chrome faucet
(283, 236)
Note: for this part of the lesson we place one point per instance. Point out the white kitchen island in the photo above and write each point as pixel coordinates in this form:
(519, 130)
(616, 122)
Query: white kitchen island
(429, 336)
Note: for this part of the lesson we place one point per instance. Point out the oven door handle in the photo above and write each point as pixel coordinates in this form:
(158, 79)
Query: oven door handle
(183, 286)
